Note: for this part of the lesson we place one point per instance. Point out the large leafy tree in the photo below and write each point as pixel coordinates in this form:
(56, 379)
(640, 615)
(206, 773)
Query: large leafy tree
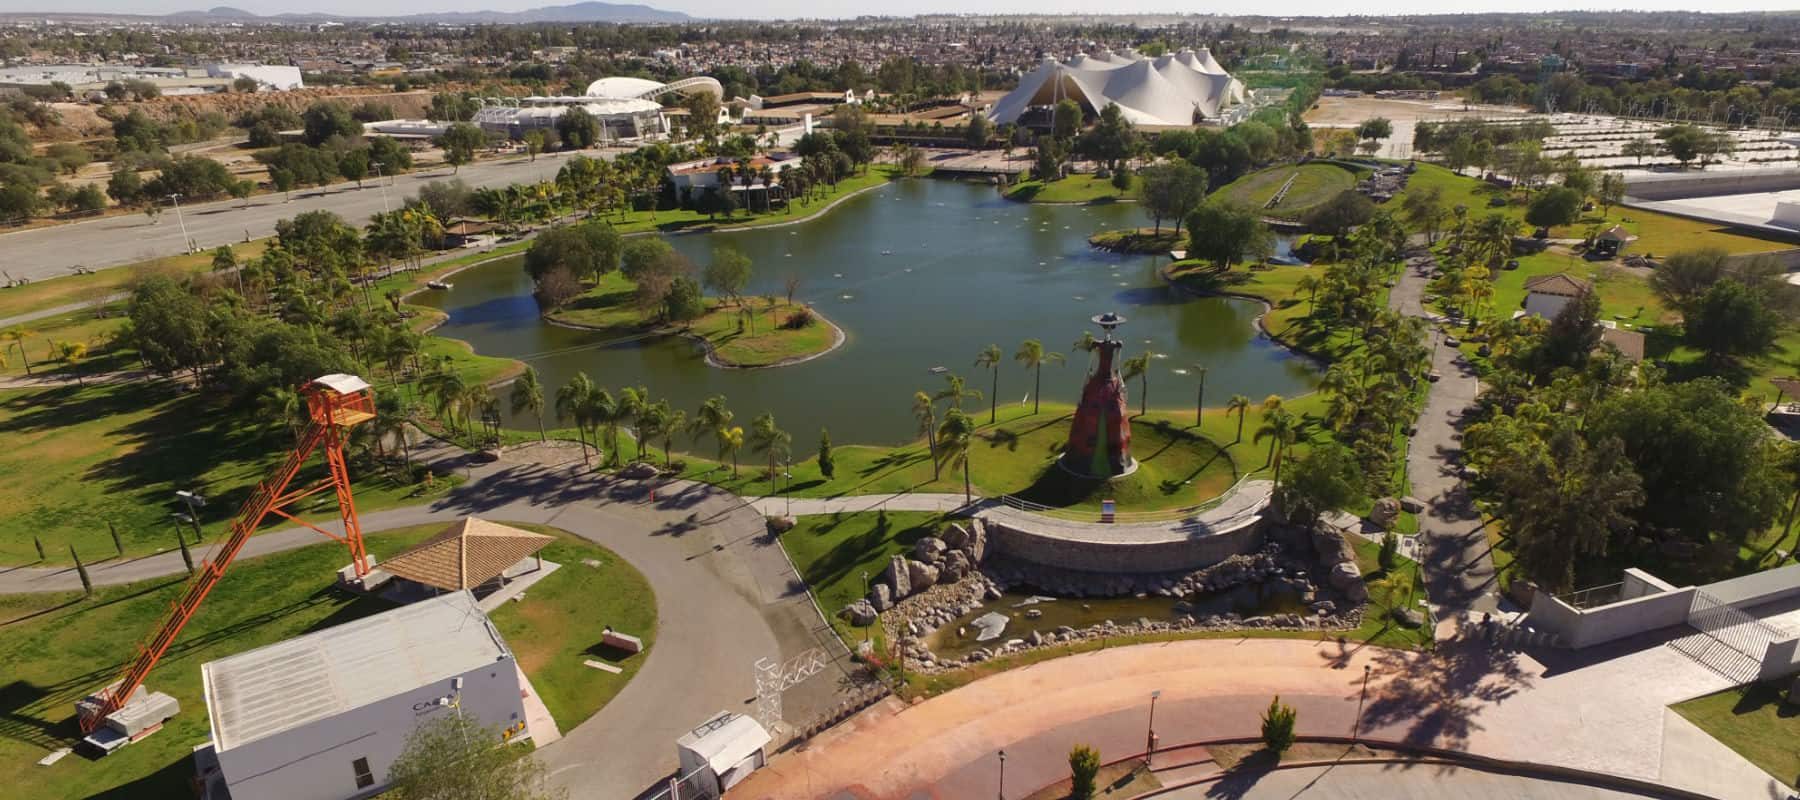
(1564, 500)
(1224, 234)
(454, 757)
(1326, 478)
(1731, 321)
(1171, 190)
(587, 250)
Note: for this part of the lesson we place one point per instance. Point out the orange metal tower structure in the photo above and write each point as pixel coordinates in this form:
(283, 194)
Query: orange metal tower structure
(335, 404)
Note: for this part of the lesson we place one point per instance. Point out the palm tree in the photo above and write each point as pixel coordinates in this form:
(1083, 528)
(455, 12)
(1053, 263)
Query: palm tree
(955, 441)
(475, 399)
(72, 354)
(1033, 355)
(765, 437)
(955, 391)
(1241, 405)
(446, 388)
(713, 419)
(607, 415)
(1138, 366)
(1281, 429)
(18, 336)
(925, 411)
(730, 441)
(1310, 284)
(284, 405)
(990, 357)
(572, 401)
(1200, 396)
(528, 395)
(633, 402)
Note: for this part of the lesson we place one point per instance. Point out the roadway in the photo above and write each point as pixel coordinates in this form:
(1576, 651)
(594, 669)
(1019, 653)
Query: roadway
(57, 250)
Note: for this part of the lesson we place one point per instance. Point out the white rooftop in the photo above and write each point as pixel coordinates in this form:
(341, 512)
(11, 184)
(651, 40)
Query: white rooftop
(724, 740)
(266, 691)
(341, 383)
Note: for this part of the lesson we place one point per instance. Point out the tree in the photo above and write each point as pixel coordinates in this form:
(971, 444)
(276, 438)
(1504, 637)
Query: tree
(1638, 148)
(713, 419)
(765, 437)
(588, 250)
(169, 327)
(1344, 211)
(1610, 192)
(924, 410)
(1683, 278)
(1558, 205)
(1326, 478)
(1570, 337)
(684, 301)
(1138, 366)
(528, 395)
(1241, 405)
(1564, 500)
(1684, 142)
(87, 583)
(1224, 234)
(460, 142)
(991, 357)
(455, 757)
(1033, 356)
(827, 466)
(1066, 120)
(728, 273)
(1278, 727)
(1731, 321)
(978, 131)
(1281, 428)
(354, 165)
(534, 143)
(452, 107)
(323, 121)
(955, 442)
(1375, 129)
(125, 187)
(1171, 190)
(573, 402)
(1084, 770)
(578, 129)
(703, 115)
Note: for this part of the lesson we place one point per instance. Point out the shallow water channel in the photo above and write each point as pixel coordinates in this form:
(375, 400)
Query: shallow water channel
(920, 274)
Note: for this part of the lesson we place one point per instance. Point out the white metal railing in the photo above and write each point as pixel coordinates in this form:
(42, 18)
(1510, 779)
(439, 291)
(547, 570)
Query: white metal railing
(1123, 517)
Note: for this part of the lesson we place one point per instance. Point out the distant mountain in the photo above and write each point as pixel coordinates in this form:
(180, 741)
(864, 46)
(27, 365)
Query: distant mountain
(579, 12)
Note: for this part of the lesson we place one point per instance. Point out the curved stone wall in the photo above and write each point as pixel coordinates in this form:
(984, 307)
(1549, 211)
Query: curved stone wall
(1092, 550)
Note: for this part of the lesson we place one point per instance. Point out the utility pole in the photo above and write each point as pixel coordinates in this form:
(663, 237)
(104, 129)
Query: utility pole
(1200, 397)
(378, 182)
(187, 245)
(1150, 729)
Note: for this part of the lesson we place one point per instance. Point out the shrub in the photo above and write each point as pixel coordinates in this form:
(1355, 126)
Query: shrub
(1389, 555)
(800, 318)
(1278, 726)
(1084, 768)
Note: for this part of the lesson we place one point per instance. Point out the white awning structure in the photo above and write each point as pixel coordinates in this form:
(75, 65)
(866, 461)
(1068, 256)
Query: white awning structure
(1178, 89)
(725, 741)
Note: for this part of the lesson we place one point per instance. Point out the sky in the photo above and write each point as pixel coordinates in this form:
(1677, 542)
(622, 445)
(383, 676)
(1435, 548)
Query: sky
(784, 9)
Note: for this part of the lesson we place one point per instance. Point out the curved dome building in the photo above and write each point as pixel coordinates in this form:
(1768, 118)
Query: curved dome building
(626, 108)
(1185, 88)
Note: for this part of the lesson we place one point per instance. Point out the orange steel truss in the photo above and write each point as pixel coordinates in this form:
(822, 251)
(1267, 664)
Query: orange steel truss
(331, 414)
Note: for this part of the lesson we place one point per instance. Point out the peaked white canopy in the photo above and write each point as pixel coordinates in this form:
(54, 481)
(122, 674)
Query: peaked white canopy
(1177, 89)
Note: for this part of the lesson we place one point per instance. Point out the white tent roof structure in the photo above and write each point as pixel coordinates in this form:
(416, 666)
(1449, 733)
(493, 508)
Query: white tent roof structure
(1177, 89)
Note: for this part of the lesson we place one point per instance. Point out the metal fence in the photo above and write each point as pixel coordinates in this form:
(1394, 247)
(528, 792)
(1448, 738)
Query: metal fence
(1122, 517)
(1728, 640)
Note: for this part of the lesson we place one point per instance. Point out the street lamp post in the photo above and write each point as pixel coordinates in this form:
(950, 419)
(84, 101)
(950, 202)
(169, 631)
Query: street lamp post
(1150, 729)
(378, 182)
(1200, 397)
(1002, 794)
(866, 594)
(187, 245)
(1356, 726)
(787, 484)
(194, 503)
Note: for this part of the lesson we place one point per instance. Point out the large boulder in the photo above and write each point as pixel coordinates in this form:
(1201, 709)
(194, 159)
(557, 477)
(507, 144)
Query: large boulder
(1343, 575)
(954, 567)
(881, 597)
(1385, 513)
(860, 613)
(921, 575)
(929, 549)
(1333, 547)
(1412, 505)
(955, 537)
(639, 470)
(897, 577)
(978, 540)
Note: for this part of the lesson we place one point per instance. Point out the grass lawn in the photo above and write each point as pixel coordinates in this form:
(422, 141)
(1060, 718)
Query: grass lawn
(54, 648)
(1753, 721)
(1140, 240)
(1081, 187)
(83, 327)
(672, 220)
(1289, 319)
(65, 289)
(79, 458)
(1178, 467)
(1313, 184)
(559, 624)
(833, 551)
(609, 307)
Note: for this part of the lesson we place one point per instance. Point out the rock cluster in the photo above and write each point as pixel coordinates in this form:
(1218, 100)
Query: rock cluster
(947, 558)
(1338, 558)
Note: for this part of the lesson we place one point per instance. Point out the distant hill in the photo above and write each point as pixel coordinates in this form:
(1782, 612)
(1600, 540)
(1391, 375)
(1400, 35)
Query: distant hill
(578, 12)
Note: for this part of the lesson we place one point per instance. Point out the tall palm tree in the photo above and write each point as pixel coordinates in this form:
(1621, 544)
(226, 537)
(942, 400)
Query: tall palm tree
(633, 402)
(730, 442)
(1310, 284)
(1241, 405)
(17, 336)
(990, 357)
(924, 410)
(606, 414)
(446, 388)
(955, 391)
(1200, 395)
(657, 420)
(955, 441)
(1138, 366)
(1281, 428)
(528, 395)
(1033, 356)
(713, 419)
(572, 402)
(474, 401)
(765, 437)
(72, 353)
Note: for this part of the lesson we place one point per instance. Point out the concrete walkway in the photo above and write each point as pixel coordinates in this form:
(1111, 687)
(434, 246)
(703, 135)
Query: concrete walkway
(899, 501)
(1458, 564)
(1605, 714)
(1391, 782)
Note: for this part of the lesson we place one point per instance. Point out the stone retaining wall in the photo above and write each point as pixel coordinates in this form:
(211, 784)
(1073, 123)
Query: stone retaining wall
(1097, 555)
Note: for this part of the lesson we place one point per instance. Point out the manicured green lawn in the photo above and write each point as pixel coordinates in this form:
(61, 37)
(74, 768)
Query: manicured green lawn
(673, 220)
(609, 307)
(91, 328)
(1755, 722)
(1177, 469)
(1078, 188)
(77, 459)
(559, 623)
(65, 289)
(833, 551)
(1313, 184)
(54, 648)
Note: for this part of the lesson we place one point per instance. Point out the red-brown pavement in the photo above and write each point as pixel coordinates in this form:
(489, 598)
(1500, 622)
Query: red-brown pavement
(1606, 713)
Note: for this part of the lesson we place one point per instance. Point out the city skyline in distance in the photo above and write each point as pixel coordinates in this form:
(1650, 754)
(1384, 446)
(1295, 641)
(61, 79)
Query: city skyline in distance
(805, 9)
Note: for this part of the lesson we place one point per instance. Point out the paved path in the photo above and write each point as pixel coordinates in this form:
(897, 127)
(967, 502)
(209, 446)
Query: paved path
(1459, 569)
(56, 250)
(1391, 782)
(900, 501)
(1603, 712)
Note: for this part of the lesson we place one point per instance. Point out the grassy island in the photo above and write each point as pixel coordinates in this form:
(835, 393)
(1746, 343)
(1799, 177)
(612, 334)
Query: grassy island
(1080, 188)
(756, 332)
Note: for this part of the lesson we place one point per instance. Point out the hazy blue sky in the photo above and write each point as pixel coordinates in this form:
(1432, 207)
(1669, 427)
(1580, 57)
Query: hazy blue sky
(850, 8)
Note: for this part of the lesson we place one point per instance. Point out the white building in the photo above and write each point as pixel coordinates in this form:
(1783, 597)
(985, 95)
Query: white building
(1546, 295)
(1171, 90)
(626, 108)
(720, 753)
(323, 716)
(269, 76)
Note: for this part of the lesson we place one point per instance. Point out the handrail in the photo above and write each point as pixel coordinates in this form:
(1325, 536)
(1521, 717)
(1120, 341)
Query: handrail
(1126, 517)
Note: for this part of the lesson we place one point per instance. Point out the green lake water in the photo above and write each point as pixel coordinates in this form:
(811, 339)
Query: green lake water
(920, 274)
